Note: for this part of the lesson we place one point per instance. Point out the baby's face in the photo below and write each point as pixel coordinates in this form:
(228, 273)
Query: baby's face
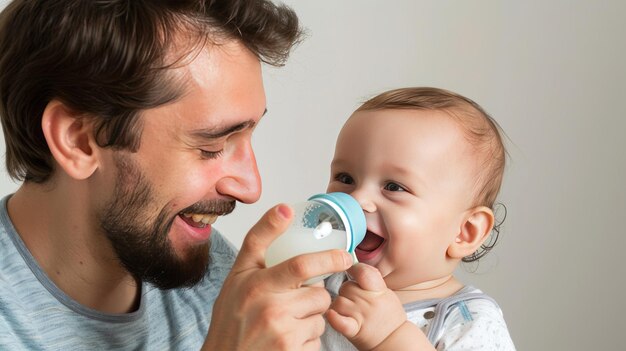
(413, 173)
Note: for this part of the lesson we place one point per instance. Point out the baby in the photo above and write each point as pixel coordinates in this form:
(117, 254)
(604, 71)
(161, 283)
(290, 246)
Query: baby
(426, 166)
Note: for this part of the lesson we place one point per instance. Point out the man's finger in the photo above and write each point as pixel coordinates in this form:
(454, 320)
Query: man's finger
(273, 223)
(293, 272)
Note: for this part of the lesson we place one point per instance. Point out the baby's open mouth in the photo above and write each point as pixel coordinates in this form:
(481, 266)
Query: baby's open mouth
(198, 220)
(370, 242)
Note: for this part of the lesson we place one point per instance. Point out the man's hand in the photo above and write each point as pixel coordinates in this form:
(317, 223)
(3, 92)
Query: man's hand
(263, 308)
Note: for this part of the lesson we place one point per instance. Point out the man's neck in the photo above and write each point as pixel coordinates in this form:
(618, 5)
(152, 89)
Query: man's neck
(58, 226)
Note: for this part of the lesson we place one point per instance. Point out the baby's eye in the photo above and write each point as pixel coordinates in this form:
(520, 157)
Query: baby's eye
(344, 178)
(391, 186)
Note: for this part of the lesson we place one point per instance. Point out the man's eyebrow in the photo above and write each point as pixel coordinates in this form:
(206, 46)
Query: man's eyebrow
(216, 133)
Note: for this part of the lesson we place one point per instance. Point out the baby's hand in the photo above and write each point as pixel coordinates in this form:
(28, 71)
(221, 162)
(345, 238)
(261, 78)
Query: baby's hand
(366, 311)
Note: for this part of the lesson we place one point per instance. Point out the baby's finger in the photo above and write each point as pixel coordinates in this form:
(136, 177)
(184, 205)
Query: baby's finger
(367, 277)
(347, 326)
(346, 307)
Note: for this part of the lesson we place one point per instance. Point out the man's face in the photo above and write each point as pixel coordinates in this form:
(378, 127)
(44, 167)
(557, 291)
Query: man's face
(195, 160)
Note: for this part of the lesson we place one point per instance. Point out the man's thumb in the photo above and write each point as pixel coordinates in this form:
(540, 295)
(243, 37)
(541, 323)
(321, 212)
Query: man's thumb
(273, 223)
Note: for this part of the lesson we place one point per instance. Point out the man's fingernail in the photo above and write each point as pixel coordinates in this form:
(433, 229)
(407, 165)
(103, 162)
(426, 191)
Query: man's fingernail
(283, 211)
(347, 258)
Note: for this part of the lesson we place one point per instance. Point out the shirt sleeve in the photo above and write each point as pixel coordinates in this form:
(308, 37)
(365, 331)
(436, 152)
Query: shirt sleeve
(476, 325)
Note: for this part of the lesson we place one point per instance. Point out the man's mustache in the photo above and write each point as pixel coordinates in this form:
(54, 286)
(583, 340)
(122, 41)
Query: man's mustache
(218, 207)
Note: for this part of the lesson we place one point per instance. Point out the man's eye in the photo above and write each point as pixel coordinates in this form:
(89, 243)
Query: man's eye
(344, 178)
(210, 154)
(391, 186)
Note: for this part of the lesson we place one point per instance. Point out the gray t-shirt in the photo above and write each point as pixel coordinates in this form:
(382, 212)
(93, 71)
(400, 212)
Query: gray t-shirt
(36, 315)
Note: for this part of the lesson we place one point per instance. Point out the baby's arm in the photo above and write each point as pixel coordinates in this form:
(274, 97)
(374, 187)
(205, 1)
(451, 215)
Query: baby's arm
(371, 316)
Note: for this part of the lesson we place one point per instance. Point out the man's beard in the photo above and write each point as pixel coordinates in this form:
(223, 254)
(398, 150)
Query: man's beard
(142, 245)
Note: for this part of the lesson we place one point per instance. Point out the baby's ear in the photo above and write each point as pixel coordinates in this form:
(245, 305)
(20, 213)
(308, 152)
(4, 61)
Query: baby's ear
(70, 139)
(475, 229)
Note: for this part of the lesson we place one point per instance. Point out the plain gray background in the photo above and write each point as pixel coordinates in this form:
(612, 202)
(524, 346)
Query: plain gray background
(551, 72)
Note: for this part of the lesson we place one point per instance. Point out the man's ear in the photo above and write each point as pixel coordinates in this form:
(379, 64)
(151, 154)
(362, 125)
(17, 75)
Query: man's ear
(70, 139)
(475, 229)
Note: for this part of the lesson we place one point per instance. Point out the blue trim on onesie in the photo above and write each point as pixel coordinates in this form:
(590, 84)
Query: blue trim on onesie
(465, 312)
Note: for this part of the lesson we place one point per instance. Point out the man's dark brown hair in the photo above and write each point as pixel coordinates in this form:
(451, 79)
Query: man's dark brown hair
(110, 59)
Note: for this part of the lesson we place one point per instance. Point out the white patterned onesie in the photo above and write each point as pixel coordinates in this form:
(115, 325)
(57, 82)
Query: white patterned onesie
(467, 320)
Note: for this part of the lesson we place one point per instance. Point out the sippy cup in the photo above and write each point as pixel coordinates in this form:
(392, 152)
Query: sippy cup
(324, 222)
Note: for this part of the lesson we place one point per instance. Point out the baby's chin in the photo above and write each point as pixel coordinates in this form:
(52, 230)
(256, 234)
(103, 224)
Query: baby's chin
(437, 288)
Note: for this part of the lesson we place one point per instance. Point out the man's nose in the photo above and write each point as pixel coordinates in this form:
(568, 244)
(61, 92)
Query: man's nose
(241, 179)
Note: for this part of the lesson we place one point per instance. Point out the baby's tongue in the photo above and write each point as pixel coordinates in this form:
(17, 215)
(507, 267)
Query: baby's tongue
(370, 242)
